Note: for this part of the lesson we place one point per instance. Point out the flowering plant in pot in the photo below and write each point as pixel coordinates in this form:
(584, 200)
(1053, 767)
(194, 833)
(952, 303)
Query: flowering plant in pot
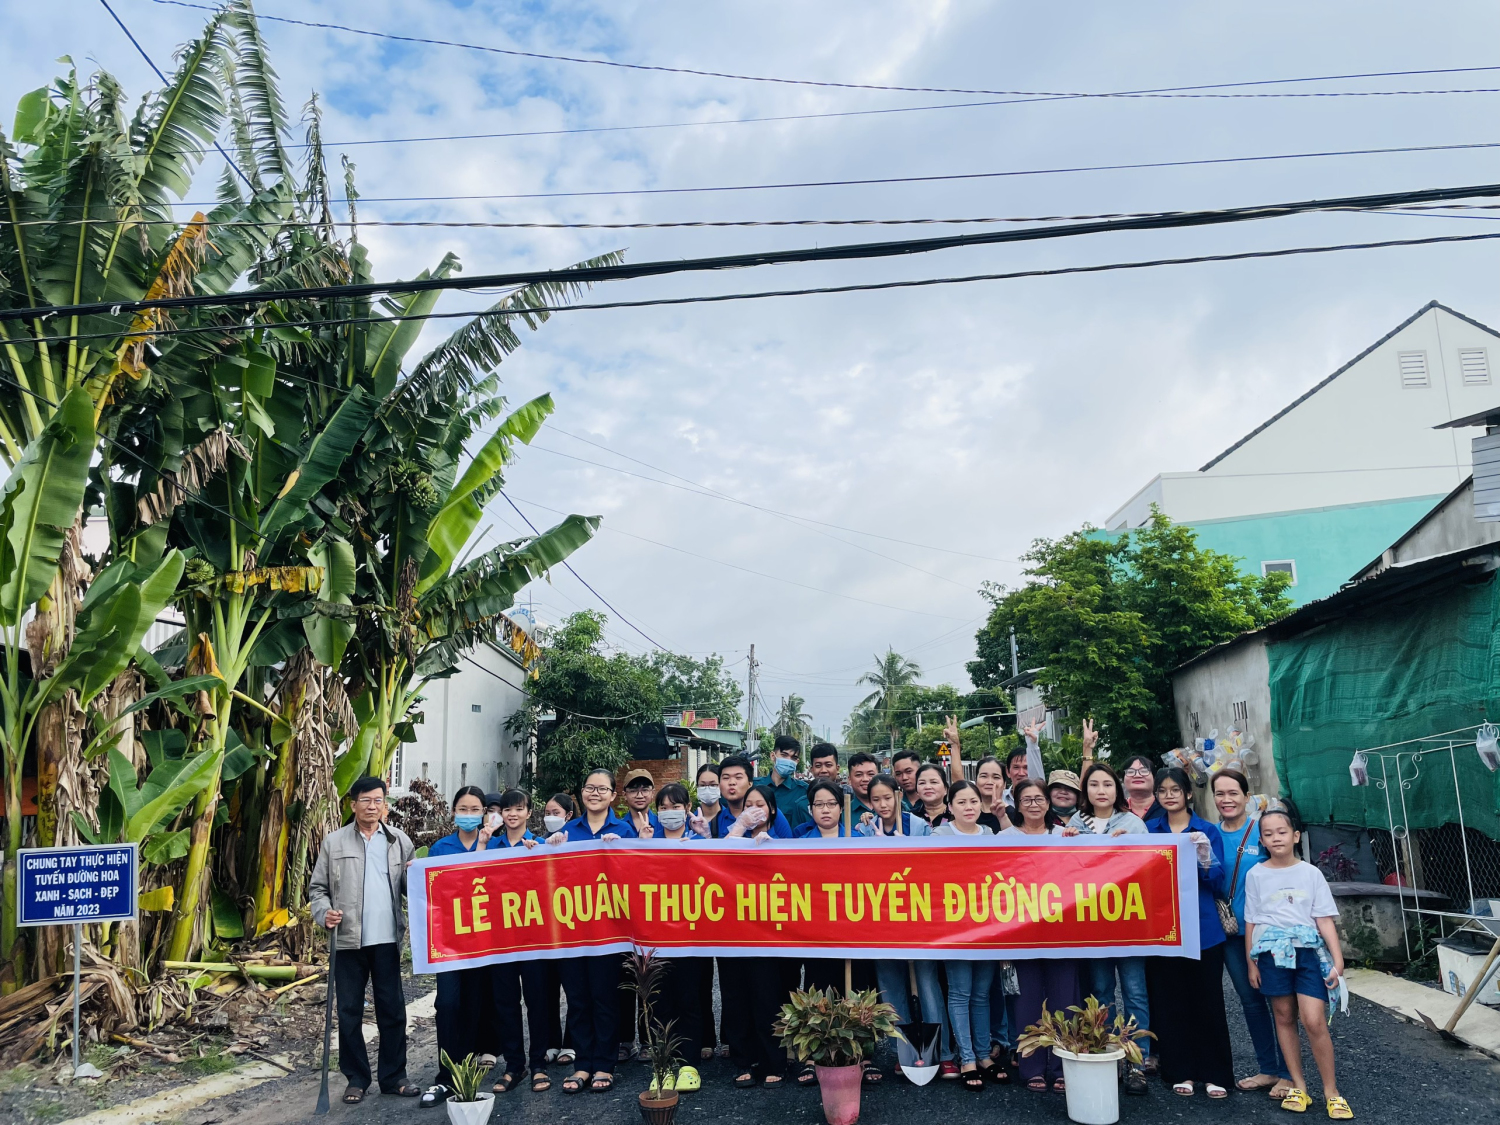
(468, 1106)
(836, 1034)
(1090, 1046)
(658, 1103)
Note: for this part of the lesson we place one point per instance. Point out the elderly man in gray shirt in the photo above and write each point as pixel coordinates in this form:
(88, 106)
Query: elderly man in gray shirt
(357, 889)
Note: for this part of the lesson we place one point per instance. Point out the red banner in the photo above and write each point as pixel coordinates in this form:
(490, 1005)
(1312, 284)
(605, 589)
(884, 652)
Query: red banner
(937, 897)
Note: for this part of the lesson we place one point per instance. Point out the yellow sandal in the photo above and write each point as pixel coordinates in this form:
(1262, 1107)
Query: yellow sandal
(1339, 1110)
(1296, 1100)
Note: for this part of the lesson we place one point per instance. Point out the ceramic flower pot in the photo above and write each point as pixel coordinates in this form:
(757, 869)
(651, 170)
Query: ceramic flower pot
(658, 1109)
(476, 1112)
(1093, 1086)
(840, 1087)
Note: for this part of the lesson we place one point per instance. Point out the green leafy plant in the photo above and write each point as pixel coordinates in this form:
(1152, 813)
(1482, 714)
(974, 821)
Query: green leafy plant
(832, 1030)
(644, 971)
(466, 1076)
(1087, 1032)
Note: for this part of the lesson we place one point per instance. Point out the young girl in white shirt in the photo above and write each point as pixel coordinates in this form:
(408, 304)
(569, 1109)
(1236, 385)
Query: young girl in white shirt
(1294, 955)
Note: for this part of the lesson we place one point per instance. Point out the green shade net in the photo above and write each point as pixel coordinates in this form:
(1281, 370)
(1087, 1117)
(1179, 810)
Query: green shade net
(1381, 676)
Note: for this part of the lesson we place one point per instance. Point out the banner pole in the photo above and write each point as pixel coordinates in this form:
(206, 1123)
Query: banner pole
(77, 979)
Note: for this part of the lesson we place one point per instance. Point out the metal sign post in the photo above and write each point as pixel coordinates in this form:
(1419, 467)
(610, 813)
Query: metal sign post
(70, 886)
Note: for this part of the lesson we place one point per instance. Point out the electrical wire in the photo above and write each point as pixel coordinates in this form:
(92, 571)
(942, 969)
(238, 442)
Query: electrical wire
(745, 503)
(748, 570)
(857, 251)
(1167, 91)
(578, 576)
(883, 180)
(721, 298)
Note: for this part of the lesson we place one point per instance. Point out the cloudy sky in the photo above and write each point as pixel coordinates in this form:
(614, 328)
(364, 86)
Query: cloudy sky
(888, 451)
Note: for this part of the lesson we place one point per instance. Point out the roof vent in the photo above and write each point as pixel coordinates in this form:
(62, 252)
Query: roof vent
(1474, 363)
(1413, 367)
(1487, 478)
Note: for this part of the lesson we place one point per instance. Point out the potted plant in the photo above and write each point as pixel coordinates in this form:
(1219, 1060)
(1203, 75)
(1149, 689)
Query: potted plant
(1090, 1048)
(468, 1106)
(658, 1102)
(836, 1034)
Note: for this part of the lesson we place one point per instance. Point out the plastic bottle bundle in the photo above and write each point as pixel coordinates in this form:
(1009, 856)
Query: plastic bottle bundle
(1487, 742)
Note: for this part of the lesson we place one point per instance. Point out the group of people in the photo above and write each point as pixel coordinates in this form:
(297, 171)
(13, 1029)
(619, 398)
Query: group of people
(1264, 916)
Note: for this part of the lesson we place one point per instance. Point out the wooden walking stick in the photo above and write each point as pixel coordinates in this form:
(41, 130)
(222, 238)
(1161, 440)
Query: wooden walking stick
(333, 950)
(848, 832)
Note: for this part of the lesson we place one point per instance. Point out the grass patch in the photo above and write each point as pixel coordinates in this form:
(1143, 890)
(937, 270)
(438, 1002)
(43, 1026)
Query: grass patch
(48, 1111)
(15, 1078)
(213, 1063)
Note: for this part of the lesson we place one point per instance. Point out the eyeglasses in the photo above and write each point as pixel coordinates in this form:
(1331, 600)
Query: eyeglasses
(370, 802)
(826, 805)
(597, 790)
(1033, 800)
(1138, 771)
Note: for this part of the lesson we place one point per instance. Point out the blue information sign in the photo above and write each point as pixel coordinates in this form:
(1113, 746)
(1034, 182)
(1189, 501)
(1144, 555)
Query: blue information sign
(66, 886)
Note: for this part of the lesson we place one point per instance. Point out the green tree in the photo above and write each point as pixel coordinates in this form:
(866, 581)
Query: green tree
(702, 686)
(892, 672)
(1107, 618)
(792, 720)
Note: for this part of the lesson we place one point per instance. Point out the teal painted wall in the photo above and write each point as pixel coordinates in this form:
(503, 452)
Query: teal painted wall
(1328, 544)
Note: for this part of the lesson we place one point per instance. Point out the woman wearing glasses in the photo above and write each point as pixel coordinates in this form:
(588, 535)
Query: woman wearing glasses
(1044, 980)
(1106, 813)
(1139, 780)
(592, 984)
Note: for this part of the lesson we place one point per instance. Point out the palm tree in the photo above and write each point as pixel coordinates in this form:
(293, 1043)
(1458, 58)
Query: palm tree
(892, 673)
(792, 720)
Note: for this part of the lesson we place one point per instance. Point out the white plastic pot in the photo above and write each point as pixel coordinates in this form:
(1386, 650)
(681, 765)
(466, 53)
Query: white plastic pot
(476, 1112)
(1093, 1086)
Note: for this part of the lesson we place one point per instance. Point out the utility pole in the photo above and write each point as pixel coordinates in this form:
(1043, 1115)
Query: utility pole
(750, 703)
(1015, 660)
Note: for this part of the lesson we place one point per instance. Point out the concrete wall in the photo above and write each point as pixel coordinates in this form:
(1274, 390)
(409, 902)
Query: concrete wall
(1362, 436)
(1206, 693)
(463, 739)
(1449, 526)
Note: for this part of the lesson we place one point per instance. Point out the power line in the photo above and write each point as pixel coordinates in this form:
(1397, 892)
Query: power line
(586, 586)
(883, 180)
(825, 290)
(858, 251)
(757, 573)
(166, 81)
(745, 503)
(1048, 95)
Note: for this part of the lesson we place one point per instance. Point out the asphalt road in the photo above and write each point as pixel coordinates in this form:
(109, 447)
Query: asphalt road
(1389, 1070)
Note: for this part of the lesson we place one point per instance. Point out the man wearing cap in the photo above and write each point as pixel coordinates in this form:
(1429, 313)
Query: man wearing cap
(640, 787)
(790, 791)
(1063, 793)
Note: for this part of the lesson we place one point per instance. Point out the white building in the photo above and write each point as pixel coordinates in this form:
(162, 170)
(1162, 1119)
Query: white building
(1324, 484)
(464, 738)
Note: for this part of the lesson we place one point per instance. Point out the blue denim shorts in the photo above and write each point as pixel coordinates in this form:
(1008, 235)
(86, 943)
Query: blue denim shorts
(1305, 980)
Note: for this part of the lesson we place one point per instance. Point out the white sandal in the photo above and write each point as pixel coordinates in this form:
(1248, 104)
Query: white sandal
(1215, 1091)
(1183, 1088)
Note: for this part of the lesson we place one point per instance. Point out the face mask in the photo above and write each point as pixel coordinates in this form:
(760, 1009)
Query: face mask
(672, 819)
(785, 767)
(554, 823)
(708, 794)
(468, 823)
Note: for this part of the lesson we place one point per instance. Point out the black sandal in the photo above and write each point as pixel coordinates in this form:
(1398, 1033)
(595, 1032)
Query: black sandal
(406, 1090)
(540, 1082)
(353, 1095)
(506, 1084)
(573, 1083)
(602, 1083)
(972, 1079)
(996, 1074)
(773, 1081)
(808, 1077)
(872, 1076)
(434, 1095)
(745, 1080)
(1039, 1084)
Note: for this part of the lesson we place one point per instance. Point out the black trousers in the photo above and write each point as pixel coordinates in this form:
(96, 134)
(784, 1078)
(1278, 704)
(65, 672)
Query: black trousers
(463, 1016)
(706, 1022)
(512, 984)
(558, 1036)
(1187, 1015)
(593, 988)
(677, 1002)
(751, 991)
(378, 966)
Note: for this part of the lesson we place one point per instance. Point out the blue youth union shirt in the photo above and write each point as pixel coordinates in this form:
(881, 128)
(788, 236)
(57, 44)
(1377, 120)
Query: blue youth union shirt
(579, 829)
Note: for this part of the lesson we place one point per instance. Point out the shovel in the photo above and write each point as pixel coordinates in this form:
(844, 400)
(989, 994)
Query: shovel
(333, 951)
(917, 1051)
(1446, 1031)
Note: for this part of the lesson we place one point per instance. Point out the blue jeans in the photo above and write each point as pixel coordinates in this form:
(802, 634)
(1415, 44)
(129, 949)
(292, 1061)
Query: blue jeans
(894, 990)
(969, 1007)
(1257, 1012)
(1100, 981)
